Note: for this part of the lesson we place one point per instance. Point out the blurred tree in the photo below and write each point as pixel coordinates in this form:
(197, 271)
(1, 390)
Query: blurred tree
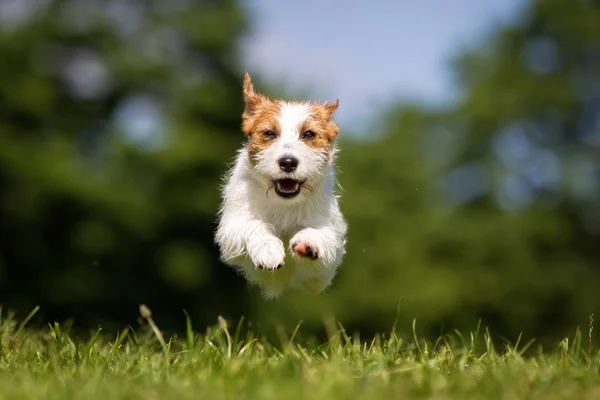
(116, 120)
(487, 210)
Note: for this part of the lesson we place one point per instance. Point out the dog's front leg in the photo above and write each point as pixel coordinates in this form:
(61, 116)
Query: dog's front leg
(264, 248)
(255, 238)
(323, 243)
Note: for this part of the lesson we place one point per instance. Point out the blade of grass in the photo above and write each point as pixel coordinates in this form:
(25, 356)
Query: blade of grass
(189, 333)
(26, 320)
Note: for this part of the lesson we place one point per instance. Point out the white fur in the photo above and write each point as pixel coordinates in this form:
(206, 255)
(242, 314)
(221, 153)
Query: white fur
(257, 227)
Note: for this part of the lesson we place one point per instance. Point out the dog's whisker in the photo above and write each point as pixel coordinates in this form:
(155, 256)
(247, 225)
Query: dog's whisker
(309, 188)
(269, 188)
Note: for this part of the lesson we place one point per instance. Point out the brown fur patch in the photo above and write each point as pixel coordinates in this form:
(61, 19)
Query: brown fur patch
(260, 115)
(264, 120)
(322, 125)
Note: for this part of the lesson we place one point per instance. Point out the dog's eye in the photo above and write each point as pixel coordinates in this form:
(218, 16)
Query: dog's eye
(308, 135)
(269, 134)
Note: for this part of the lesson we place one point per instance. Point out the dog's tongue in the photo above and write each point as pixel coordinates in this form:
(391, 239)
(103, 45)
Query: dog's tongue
(287, 185)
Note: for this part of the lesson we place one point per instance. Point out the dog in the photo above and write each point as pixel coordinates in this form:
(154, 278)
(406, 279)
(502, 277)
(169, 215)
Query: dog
(279, 222)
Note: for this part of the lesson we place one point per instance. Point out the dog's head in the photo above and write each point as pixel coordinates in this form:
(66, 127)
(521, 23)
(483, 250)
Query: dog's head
(290, 143)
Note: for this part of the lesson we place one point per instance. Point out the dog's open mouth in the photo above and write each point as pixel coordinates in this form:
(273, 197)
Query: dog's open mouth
(287, 187)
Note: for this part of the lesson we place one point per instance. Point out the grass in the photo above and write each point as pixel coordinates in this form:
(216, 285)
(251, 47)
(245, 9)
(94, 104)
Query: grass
(223, 364)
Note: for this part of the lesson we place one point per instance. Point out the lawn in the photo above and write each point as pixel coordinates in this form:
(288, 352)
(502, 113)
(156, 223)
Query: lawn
(223, 364)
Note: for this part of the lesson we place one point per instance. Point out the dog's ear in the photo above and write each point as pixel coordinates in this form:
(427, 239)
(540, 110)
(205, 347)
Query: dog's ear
(251, 98)
(333, 129)
(331, 108)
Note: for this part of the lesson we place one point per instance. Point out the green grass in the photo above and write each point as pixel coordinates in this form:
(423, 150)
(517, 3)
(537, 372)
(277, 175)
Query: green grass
(221, 364)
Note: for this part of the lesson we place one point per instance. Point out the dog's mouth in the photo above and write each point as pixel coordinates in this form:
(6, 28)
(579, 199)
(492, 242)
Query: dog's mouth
(287, 188)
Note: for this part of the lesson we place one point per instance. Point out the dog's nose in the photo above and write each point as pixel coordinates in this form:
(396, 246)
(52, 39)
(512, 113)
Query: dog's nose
(288, 164)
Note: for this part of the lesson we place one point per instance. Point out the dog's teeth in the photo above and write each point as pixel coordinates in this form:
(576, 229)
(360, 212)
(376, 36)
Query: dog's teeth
(287, 189)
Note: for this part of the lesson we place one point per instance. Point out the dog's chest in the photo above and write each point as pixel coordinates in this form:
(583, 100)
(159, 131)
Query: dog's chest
(287, 222)
(286, 219)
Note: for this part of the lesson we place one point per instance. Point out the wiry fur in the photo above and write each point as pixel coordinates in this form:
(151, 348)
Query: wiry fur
(260, 231)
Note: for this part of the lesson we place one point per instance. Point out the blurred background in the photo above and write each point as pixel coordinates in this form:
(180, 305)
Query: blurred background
(470, 159)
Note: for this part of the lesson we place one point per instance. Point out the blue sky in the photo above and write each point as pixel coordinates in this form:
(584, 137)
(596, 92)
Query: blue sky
(368, 52)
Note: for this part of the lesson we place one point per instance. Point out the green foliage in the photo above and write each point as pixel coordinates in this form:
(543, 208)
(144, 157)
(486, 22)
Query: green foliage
(118, 118)
(102, 209)
(223, 364)
(488, 209)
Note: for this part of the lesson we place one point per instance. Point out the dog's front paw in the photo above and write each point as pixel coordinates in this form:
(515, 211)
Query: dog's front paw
(305, 246)
(267, 252)
(305, 250)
